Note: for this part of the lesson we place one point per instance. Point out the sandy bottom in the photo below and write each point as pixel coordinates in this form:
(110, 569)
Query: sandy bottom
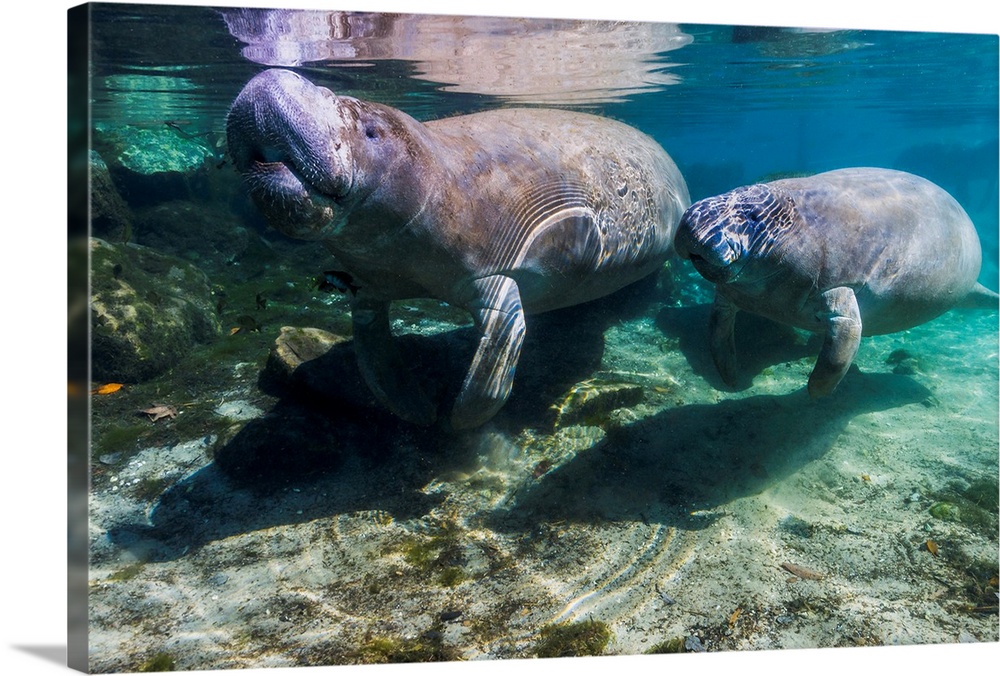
(623, 493)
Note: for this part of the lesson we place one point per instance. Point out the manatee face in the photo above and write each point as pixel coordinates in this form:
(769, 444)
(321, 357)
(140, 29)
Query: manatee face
(723, 235)
(306, 155)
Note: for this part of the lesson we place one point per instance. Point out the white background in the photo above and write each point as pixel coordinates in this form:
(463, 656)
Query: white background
(33, 329)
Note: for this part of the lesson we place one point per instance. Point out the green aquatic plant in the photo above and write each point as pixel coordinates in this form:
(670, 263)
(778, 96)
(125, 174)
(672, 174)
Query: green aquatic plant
(150, 488)
(118, 439)
(428, 647)
(438, 555)
(158, 662)
(573, 639)
(984, 493)
(452, 576)
(128, 572)
(945, 511)
(420, 553)
(974, 505)
(671, 645)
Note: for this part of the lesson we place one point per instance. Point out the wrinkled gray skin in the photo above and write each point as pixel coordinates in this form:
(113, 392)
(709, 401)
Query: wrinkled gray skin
(845, 253)
(502, 213)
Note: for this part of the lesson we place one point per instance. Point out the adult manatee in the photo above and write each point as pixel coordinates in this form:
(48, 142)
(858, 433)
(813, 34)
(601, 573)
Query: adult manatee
(845, 253)
(502, 213)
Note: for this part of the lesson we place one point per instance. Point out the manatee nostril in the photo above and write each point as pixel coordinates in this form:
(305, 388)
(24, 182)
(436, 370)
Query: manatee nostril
(695, 258)
(270, 154)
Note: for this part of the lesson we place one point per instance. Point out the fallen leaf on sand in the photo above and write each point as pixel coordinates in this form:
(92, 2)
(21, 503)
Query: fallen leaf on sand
(107, 388)
(802, 572)
(157, 411)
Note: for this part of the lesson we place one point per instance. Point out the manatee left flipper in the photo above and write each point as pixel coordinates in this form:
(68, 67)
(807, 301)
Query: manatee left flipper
(722, 342)
(499, 319)
(383, 368)
(839, 312)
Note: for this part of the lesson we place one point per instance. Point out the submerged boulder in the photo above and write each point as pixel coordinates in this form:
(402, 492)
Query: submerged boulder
(147, 311)
(156, 164)
(202, 232)
(110, 217)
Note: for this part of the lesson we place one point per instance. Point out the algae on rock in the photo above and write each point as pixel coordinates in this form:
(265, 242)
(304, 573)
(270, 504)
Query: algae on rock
(147, 311)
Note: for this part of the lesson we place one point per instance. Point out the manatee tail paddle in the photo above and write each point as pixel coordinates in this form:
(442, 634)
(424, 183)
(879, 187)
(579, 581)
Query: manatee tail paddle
(981, 298)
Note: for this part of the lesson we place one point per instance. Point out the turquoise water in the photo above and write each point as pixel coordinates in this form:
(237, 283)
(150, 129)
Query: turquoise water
(241, 516)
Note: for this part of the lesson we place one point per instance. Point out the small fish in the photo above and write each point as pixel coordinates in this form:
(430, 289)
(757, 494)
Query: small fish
(107, 388)
(802, 572)
(336, 280)
(931, 547)
(176, 126)
(667, 599)
(865, 477)
(117, 270)
(246, 324)
(541, 468)
(735, 616)
(261, 301)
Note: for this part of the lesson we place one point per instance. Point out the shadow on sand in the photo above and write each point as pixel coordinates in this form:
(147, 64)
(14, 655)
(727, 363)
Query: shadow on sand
(332, 452)
(760, 343)
(698, 457)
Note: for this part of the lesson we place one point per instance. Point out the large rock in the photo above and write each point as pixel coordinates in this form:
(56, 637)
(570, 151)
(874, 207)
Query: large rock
(157, 164)
(110, 217)
(147, 311)
(201, 232)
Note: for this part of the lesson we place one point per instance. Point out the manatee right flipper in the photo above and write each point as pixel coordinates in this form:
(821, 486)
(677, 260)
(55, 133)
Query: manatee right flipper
(383, 368)
(499, 319)
(839, 312)
(722, 343)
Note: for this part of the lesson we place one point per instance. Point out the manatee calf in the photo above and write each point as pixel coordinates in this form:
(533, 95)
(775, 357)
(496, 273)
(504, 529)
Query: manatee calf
(502, 213)
(845, 253)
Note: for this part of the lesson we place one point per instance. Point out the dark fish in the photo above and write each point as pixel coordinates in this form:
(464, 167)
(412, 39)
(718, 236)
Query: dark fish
(176, 126)
(246, 324)
(541, 468)
(336, 280)
(261, 302)
(117, 270)
(667, 599)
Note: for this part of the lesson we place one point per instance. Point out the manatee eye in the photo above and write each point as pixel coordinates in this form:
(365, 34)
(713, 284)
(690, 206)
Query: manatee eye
(371, 131)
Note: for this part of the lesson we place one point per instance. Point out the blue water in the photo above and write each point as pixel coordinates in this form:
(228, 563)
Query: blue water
(731, 104)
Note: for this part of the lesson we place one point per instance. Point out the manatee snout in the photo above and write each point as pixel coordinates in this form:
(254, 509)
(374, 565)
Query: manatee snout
(283, 135)
(705, 237)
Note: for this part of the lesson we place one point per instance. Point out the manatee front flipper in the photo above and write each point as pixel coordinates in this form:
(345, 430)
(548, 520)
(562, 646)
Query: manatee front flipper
(839, 312)
(722, 344)
(500, 321)
(383, 368)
